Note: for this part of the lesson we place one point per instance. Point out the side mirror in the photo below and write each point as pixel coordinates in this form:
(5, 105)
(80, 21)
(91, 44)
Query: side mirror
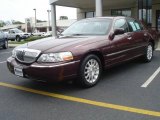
(118, 31)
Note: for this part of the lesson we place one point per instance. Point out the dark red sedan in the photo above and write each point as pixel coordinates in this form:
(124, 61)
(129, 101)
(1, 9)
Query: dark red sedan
(84, 50)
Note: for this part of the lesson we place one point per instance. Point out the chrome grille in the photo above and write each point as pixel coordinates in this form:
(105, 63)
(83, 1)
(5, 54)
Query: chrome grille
(26, 55)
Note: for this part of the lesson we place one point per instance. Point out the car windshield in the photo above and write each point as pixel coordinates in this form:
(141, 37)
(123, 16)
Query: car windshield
(18, 31)
(89, 27)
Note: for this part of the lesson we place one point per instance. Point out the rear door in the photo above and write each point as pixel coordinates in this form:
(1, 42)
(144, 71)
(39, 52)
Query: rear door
(12, 34)
(139, 37)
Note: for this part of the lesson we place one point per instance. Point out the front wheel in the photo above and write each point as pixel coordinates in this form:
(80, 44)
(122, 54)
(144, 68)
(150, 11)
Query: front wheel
(18, 39)
(90, 71)
(148, 53)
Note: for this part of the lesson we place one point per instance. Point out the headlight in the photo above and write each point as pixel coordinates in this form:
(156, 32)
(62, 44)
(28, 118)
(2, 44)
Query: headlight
(13, 53)
(56, 57)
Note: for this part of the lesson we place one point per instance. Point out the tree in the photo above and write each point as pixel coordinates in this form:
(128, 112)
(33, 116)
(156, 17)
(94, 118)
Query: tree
(63, 18)
(14, 22)
(2, 23)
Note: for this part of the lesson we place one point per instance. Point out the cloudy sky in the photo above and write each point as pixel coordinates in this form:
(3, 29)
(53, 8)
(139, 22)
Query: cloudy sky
(21, 9)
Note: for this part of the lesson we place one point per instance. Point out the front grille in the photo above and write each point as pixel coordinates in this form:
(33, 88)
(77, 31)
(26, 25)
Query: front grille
(26, 55)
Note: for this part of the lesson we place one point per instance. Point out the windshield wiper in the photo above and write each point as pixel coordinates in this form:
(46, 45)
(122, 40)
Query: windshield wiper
(70, 35)
(77, 34)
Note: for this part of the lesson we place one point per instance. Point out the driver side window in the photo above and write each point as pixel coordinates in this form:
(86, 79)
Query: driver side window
(121, 23)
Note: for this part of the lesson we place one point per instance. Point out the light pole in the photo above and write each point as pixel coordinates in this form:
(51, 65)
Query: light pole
(48, 19)
(35, 19)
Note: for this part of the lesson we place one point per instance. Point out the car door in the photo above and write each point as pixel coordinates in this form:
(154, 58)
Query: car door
(139, 37)
(12, 34)
(120, 46)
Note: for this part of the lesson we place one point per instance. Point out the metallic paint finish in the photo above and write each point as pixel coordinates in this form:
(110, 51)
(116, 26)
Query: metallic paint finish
(111, 52)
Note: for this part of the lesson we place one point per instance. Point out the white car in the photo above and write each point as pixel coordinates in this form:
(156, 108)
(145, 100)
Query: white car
(38, 33)
(47, 34)
(16, 34)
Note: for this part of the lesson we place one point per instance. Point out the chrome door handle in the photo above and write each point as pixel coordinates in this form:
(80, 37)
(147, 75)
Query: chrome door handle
(145, 34)
(129, 38)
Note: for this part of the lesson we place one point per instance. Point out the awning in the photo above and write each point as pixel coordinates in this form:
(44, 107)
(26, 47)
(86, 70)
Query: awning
(90, 4)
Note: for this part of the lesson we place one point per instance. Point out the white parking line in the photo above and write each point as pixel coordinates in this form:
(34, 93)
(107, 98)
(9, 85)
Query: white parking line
(2, 62)
(151, 78)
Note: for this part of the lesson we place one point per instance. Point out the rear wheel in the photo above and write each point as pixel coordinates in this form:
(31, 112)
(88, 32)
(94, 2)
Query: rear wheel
(148, 53)
(5, 46)
(90, 71)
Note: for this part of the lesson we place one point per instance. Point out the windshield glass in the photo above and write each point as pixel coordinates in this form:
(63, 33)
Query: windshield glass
(18, 31)
(89, 27)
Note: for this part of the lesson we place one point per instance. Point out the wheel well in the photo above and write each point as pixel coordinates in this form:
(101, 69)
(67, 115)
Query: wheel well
(98, 54)
(152, 41)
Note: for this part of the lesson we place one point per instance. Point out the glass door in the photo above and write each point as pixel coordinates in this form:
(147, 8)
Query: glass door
(158, 20)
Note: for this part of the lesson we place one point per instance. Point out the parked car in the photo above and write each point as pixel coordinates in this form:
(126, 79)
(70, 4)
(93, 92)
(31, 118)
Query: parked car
(47, 34)
(16, 34)
(84, 50)
(3, 40)
(38, 33)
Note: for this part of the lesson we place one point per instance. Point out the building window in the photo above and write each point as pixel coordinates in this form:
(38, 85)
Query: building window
(145, 11)
(121, 12)
(89, 14)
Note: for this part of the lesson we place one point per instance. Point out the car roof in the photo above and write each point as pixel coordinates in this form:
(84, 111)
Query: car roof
(110, 17)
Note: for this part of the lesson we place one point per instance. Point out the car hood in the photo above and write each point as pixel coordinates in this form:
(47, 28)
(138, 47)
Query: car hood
(22, 33)
(60, 44)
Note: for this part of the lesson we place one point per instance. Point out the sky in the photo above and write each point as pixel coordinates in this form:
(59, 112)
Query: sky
(21, 9)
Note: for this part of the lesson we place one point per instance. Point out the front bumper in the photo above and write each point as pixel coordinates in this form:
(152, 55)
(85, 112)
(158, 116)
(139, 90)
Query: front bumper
(46, 72)
(24, 36)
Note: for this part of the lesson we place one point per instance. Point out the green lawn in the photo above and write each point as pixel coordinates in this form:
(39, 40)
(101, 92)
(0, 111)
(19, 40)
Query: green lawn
(27, 40)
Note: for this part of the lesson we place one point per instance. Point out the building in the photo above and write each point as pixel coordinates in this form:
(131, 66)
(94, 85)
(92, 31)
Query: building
(147, 11)
(29, 25)
(19, 26)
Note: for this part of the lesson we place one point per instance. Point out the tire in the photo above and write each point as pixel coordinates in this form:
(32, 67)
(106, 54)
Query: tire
(90, 71)
(148, 53)
(5, 46)
(18, 39)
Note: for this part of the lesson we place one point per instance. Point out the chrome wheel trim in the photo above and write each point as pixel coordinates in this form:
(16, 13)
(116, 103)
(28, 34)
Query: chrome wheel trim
(17, 38)
(149, 52)
(92, 71)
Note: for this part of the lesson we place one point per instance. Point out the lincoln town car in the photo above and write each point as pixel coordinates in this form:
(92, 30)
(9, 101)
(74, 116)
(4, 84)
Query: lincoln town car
(84, 50)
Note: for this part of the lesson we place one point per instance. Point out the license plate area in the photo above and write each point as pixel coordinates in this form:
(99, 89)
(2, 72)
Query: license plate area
(18, 72)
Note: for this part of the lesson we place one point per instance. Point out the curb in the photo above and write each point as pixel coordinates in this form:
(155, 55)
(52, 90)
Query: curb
(13, 45)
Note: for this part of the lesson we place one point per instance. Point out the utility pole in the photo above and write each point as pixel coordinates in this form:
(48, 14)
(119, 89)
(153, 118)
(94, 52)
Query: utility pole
(35, 20)
(48, 20)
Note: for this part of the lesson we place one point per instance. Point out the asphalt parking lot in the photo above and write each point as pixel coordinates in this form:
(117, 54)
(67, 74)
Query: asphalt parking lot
(127, 92)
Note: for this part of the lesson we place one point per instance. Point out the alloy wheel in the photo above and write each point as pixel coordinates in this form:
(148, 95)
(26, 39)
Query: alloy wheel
(91, 71)
(149, 52)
